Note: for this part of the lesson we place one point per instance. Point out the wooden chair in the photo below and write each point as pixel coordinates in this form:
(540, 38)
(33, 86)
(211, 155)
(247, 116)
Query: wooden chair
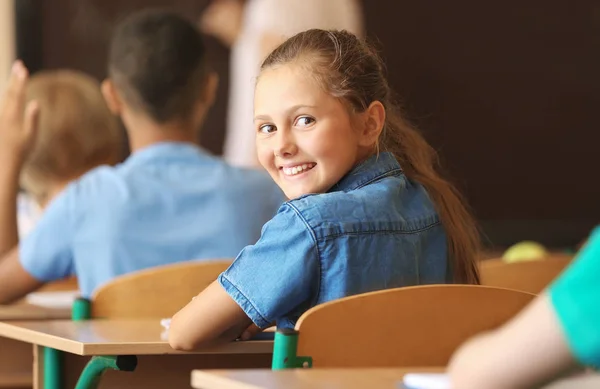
(157, 292)
(152, 293)
(412, 326)
(528, 276)
(66, 284)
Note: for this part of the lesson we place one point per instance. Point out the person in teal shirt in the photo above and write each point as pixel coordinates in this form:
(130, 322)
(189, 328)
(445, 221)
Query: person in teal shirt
(557, 333)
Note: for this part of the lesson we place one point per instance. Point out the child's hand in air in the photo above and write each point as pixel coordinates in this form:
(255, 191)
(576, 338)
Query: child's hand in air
(18, 123)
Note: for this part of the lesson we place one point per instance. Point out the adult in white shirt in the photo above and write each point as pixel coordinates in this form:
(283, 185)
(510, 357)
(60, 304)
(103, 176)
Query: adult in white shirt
(253, 28)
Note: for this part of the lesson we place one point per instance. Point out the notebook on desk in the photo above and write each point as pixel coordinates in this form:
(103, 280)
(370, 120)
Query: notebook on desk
(55, 300)
(425, 381)
(267, 334)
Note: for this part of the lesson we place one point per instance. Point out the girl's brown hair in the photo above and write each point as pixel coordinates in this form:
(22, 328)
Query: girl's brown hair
(76, 131)
(351, 70)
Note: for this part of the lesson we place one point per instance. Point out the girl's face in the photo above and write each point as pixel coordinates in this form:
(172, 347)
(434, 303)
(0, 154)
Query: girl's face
(305, 138)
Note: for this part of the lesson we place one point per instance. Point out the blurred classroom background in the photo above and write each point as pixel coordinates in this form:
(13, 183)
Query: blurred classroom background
(507, 92)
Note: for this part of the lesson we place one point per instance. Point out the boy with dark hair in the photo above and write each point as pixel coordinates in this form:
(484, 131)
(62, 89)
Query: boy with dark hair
(168, 202)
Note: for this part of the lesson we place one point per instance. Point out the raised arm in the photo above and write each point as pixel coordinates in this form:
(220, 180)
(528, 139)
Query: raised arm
(17, 129)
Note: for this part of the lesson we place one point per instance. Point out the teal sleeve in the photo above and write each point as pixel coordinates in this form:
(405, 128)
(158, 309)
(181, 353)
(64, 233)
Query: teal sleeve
(575, 296)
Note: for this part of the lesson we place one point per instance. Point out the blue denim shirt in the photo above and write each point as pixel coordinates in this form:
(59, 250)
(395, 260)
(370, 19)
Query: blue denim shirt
(169, 202)
(375, 229)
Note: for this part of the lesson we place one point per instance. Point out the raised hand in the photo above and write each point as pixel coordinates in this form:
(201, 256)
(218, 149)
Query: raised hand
(18, 120)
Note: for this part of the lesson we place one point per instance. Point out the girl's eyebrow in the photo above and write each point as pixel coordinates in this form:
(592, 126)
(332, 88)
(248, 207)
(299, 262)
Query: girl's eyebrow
(289, 111)
(297, 107)
(262, 117)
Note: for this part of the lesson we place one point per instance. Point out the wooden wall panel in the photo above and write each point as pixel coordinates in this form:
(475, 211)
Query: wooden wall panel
(507, 91)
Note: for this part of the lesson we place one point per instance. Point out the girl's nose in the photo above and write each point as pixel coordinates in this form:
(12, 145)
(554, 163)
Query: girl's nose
(285, 146)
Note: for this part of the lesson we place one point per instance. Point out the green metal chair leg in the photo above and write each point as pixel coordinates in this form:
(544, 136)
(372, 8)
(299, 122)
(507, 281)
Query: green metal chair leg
(285, 349)
(81, 309)
(95, 368)
(52, 368)
(53, 378)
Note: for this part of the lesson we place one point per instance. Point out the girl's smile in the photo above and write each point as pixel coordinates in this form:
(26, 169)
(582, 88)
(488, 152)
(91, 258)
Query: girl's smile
(305, 138)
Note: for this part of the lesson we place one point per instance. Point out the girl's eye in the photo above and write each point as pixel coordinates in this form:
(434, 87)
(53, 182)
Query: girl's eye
(267, 128)
(304, 121)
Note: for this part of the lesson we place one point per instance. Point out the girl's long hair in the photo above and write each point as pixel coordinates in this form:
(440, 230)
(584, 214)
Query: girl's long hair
(351, 70)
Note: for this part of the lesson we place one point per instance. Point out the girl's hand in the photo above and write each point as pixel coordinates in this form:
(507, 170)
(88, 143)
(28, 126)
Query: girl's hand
(250, 332)
(18, 123)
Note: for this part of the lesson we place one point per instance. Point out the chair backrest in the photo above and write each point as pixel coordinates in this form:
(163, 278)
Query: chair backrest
(412, 326)
(528, 276)
(66, 284)
(157, 292)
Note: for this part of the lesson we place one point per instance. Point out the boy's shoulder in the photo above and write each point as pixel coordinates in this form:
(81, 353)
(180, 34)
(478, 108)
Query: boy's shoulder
(107, 176)
(97, 182)
(110, 183)
(100, 174)
(251, 181)
(250, 175)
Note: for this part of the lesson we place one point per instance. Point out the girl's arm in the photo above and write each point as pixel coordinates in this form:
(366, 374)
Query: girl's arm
(526, 352)
(210, 318)
(266, 281)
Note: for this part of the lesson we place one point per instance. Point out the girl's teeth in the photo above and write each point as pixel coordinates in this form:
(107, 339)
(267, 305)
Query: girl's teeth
(297, 169)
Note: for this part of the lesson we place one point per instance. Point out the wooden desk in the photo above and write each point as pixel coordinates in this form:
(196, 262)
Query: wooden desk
(303, 378)
(159, 366)
(337, 378)
(15, 356)
(31, 312)
(112, 337)
(587, 381)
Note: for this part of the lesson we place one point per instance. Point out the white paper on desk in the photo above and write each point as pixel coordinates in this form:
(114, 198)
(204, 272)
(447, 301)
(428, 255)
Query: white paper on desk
(56, 300)
(427, 381)
(165, 323)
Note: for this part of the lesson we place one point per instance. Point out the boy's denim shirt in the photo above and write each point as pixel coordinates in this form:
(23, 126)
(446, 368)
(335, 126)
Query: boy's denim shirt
(375, 229)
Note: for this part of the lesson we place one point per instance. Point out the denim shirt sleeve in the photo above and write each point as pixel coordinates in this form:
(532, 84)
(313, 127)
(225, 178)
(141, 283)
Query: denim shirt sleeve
(575, 296)
(278, 273)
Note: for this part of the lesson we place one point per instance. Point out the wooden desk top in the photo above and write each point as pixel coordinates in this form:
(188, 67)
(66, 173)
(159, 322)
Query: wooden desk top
(25, 311)
(337, 378)
(303, 378)
(112, 337)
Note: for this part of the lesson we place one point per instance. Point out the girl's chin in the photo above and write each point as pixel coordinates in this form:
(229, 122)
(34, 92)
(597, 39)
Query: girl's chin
(294, 194)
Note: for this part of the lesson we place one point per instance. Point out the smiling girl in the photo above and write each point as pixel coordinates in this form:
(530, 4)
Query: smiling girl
(367, 208)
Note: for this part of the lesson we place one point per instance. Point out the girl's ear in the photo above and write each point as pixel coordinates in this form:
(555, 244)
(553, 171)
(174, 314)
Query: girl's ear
(374, 120)
(111, 96)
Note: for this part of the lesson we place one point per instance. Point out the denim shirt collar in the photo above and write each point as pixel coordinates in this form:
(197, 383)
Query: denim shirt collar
(375, 167)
